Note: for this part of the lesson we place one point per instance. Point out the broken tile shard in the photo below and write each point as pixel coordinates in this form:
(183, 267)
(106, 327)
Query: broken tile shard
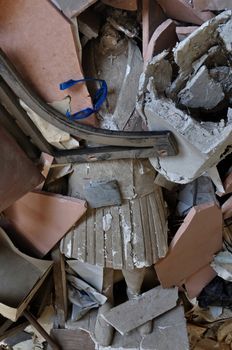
(41, 219)
(153, 16)
(39, 25)
(193, 247)
(181, 11)
(18, 173)
(135, 312)
(164, 37)
(198, 281)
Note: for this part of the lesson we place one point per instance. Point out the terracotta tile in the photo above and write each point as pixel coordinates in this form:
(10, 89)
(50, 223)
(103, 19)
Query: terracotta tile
(18, 174)
(181, 11)
(72, 8)
(199, 280)
(164, 37)
(213, 5)
(39, 41)
(227, 208)
(42, 219)
(152, 17)
(193, 247)
(130, 5)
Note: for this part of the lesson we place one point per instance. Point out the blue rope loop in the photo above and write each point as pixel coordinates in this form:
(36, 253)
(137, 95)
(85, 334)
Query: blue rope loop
(98, 98)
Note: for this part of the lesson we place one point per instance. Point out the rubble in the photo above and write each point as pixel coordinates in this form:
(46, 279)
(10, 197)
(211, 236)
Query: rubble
(115, 214)
(42, 65)
(136, 312)
(213, 5)
(201, 91)
(194, 137)
(41, 219)
(190, 251)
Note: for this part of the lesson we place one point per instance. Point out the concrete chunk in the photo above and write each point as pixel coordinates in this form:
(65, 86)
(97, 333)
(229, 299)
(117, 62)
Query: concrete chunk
(199, 42)
(225, 35)
(201, 91)
(170, 332)
(205, 147)
(136, 312)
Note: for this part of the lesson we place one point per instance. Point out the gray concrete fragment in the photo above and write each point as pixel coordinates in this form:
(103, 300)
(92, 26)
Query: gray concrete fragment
(197, 43)
(100, 194)
(205, 148)
(170, 332)
(195, 193)
(134, 313)
(201, 91)
(223, 75)
(225, 35)
(161, 70)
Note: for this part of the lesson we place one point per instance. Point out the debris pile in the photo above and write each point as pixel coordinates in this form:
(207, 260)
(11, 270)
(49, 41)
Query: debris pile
(116, 179)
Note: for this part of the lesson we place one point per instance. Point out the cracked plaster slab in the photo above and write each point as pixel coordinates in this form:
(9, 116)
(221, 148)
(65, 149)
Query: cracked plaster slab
(200, 148)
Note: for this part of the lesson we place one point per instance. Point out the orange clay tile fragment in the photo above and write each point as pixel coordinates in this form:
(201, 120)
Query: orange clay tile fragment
(193, 247)
(41, 219)
(164, 37)
(18, 173)
(39, 41)
(152, 17)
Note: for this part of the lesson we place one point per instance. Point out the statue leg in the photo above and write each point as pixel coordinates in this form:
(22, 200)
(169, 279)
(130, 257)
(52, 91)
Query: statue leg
(134, 280)
(104, 331)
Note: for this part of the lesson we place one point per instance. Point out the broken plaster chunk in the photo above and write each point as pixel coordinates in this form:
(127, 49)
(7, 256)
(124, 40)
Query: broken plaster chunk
(199, 42)
(135, 312)
(181, 11)
(225, 35)
(222, 264)
(222, 75)
(205, 148)
(201, 91)
(161, 70)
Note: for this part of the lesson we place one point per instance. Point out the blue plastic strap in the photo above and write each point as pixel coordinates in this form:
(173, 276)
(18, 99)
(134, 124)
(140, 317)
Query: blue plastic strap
(98, 98)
